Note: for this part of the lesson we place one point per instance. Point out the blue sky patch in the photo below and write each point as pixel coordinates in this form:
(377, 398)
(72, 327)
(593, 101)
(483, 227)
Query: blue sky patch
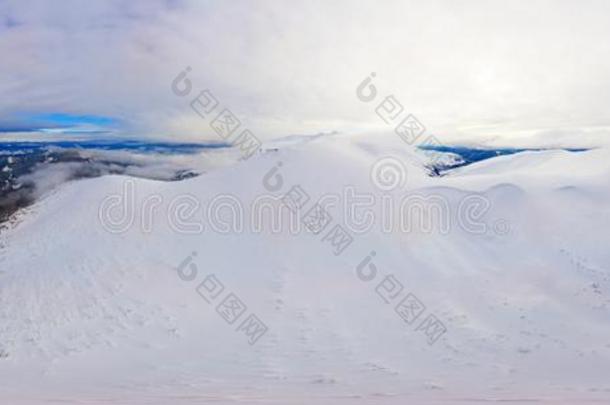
(71, 120)
(57, 122)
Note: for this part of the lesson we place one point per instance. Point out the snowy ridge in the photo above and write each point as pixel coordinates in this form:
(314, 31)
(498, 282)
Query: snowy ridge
(89, 315)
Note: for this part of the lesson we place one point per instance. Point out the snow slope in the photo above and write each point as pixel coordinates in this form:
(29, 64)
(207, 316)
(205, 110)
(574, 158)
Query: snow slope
(92, 316)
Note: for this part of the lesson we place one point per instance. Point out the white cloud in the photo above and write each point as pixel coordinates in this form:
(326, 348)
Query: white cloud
(469, 70)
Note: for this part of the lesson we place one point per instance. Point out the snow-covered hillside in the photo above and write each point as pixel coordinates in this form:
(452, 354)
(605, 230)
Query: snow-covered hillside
(492, 282)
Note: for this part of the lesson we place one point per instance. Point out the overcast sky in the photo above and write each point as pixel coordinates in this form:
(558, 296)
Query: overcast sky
(469, 70)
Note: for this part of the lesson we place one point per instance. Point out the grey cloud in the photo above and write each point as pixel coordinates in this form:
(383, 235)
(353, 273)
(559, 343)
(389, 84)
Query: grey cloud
(468, 69)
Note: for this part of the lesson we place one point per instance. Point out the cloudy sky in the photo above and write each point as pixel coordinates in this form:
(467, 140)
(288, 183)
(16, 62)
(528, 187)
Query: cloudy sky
(470, 71)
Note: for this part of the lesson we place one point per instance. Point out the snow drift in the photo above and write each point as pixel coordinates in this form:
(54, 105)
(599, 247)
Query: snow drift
(116, 289)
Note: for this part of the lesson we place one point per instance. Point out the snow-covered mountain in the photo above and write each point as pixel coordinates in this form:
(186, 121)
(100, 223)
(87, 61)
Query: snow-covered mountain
(491, 283)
